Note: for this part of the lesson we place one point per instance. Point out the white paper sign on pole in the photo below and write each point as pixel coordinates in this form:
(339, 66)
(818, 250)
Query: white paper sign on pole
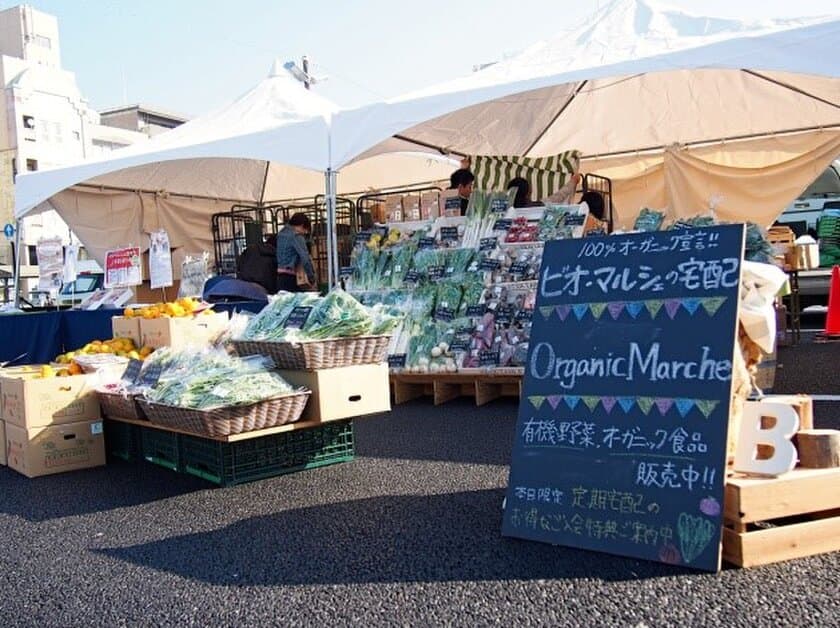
(50, 264)
(71, 256)
(160, 260)
(122, 267)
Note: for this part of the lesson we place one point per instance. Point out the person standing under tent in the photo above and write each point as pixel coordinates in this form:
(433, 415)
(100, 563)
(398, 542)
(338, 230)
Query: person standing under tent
(292, 252)
(462, 180)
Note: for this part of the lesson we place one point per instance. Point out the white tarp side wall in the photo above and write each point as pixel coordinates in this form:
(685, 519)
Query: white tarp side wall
(746, 180)
(303, 144)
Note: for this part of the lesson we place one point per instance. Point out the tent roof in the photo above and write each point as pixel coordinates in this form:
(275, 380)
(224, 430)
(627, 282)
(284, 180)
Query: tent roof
(637, 75)
(276, 121)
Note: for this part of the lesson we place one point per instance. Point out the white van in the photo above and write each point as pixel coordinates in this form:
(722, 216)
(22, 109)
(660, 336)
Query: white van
(823, 193)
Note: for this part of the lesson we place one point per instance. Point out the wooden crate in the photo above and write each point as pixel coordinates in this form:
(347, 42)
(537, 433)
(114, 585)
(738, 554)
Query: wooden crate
(775, 519)
(443, 387)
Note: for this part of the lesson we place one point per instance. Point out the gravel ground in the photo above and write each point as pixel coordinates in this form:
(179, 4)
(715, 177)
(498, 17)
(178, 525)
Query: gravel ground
(408, 533)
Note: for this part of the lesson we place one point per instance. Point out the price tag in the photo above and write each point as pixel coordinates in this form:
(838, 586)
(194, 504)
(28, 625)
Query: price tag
(503, 224)
(426, 243)
(523, 316)
(520, 268)
(444, 314)
(452, 205)
(132, 371)
(490, 264)
(297, 317)
(465, 331)
(476, 310)
(449, 234)
(574, 220)
(347, 271)
(473, 266)
(411, 276)
(396, 361)
(499, 205)
(488, 244)
(488, 358)
(598, 231)
(504, 315)
(459, 344)
(150, 376)
(435, 272)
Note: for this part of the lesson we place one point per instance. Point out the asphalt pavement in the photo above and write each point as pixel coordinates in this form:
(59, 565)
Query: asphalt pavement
(408, 533)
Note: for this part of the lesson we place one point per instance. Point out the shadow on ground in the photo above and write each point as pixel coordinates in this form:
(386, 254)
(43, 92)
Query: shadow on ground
(389, 539)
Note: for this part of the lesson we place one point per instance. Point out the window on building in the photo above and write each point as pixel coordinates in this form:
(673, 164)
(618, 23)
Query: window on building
(28, 122)
(44, 42)
(31, 165)
(32, 255)
(57, 132)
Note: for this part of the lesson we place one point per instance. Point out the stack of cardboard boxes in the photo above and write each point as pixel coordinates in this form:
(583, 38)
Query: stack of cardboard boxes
(49, 425)
(170, 332)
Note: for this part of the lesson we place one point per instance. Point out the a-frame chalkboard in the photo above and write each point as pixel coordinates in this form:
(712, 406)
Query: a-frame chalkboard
(620, 443)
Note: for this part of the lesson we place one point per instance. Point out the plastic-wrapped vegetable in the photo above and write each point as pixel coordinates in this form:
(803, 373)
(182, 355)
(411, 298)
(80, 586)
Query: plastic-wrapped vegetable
(337, 315)
(649, 220)
(269, 323)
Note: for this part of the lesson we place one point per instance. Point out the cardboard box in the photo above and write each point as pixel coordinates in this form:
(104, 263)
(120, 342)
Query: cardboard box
(123, 327)
(181, 332)
(2, 443)
(803, 256)
(343, 392)
(14, 371)
(29, 401)
(55, 449)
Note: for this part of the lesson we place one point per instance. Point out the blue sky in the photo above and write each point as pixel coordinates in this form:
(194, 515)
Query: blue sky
(191, 56)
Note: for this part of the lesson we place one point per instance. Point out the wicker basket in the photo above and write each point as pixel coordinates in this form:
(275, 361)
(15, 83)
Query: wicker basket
(230, 420)
(119, 406)
(319, 354)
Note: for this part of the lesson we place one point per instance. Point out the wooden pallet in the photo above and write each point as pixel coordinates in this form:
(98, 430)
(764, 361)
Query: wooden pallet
(775, 519)
(443, 387)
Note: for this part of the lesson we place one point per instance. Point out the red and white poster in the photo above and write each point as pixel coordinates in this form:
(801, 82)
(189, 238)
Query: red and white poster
(122, 267)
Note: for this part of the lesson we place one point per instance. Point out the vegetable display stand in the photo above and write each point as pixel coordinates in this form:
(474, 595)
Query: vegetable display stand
(775, 519)
(228, 464)
(122, 440)
(312, 355)
(443, 387)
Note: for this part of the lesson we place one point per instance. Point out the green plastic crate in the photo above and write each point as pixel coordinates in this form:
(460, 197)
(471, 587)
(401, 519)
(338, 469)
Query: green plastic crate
(228, 464)
(161, 448)
(122, 440)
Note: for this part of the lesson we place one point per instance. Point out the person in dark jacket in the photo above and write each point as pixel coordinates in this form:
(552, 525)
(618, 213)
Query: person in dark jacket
(257, 264)
(292, 252)
(462, 180)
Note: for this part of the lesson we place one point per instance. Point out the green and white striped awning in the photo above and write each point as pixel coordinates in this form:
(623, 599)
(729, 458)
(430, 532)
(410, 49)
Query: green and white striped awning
(545, 174)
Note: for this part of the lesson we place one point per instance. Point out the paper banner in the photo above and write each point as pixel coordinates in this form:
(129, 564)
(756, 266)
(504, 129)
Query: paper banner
(653, 306)
(663, 405)
(684, 406)
(706, 406)
(562, 311)
(536, 401)
(571, 401)
(597, 309)
(580, 309)
(554, 400)
(691, 305)
(591, 402)
(608, 403)
(634, 307)
(626, 403)
(645, 403)
(615, 309)
(712, 304)
(546, 311)
(672, 306)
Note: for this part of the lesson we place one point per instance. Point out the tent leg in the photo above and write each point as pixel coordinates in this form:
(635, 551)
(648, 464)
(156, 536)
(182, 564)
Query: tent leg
(332, 239)
(18, 229)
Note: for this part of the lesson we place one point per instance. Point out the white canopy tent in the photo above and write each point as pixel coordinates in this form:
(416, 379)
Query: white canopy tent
(625, 88)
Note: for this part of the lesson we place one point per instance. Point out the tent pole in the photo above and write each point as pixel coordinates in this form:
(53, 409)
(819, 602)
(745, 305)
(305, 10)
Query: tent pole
(18, 227)
(332, 240)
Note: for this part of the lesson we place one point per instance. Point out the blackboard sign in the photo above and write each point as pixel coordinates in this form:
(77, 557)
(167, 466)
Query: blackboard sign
(396, 361)
(363, 237)
(444, 314)
(132, 371)
(459, 345)
(504, 315)
(435, 272)
(150, 375)
(523, 316)
(449, 234)
(620, 443)
(519, 269)
(347, 271)
(488, 244)
(412, 276)
(490, 264)
(426, 243)
(476, 310)
(503, 224)
(488, 358)
(297, 317)
(499, 205)
(452, 205)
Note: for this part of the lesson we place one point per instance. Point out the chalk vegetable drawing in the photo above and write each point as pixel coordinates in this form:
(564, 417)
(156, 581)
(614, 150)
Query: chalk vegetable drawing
(695, 534)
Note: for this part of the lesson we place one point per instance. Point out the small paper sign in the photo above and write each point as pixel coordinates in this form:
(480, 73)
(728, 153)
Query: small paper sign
(122, 267)
(396, 361)
(150, 376)
(132, 371)
(488, 358)
(476, 310)
(411, 276)
(459, 344)
(426, 243)
(488, 244)
(520, 268)
(490, 264)
(435, 272)
(297, 317)
(449, 234)
(499, 205)
(503, 224)
(523, 316)
(452, 206)
(504, 315)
